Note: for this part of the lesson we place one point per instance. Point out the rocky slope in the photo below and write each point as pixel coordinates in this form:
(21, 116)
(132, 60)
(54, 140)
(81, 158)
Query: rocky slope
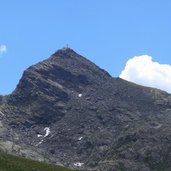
(68, 111)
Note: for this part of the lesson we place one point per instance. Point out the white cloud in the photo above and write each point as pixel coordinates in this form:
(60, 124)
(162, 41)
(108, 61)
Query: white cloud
(144, 71)
(3, 49)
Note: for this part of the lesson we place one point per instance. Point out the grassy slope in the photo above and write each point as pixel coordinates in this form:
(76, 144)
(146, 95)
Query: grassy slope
(13, 163)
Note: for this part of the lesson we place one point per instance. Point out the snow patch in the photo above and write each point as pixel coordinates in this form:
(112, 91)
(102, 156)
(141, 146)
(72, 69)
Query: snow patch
(40, 142)
(39, 135)
(47, 129)
(78, 164)
(80, 138)
(80, 95)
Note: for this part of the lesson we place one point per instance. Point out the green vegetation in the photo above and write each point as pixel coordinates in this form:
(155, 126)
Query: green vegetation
(164, 165)
(13, 163)
(161, 167)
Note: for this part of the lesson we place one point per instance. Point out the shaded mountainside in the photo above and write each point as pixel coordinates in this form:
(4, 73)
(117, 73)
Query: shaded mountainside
(66, 110)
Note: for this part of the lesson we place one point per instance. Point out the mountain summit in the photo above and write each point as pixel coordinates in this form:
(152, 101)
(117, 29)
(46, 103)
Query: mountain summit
(68, 111)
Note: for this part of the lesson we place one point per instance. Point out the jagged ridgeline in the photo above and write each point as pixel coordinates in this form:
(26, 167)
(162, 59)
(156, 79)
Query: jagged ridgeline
(67, 111)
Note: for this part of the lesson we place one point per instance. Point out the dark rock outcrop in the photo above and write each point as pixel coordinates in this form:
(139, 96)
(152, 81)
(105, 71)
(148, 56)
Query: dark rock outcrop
(67, 110)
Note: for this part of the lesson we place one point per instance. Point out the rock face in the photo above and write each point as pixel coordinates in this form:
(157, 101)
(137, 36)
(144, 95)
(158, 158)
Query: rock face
(68, 111)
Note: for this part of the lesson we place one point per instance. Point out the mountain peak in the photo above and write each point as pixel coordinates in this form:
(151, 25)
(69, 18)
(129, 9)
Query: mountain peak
(65, 51)
(66, 69)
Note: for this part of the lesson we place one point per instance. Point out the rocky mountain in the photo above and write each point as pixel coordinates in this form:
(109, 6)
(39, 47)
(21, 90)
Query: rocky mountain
(68, 111)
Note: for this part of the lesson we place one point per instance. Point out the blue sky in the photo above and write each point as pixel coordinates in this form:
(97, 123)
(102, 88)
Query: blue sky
(108, 32)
